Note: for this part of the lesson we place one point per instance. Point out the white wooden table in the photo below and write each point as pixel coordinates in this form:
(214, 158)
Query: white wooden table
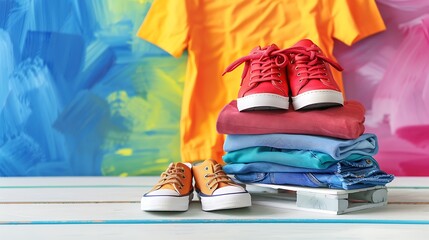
(109, 208)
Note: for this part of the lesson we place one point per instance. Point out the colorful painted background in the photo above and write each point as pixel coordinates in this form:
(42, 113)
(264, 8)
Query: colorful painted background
(80, 94)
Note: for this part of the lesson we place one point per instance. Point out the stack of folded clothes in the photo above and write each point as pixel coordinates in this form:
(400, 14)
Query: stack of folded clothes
(314, 147)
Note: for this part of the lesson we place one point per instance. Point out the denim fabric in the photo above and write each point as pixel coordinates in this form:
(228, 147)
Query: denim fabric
(318, 180)
(337, 148)
(293, 158)
(346, 177)
(365, 164)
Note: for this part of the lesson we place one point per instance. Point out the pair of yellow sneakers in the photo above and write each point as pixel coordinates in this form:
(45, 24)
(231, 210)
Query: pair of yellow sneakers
(174, 190)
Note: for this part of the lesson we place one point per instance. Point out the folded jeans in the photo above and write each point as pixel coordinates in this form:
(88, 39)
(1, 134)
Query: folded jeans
(346, 180)
(364, 165)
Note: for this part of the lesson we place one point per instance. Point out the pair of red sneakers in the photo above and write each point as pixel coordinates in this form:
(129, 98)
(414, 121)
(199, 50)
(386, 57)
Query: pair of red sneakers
(273, 76)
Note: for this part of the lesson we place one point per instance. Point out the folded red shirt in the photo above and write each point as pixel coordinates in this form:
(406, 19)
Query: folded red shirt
(346, 122)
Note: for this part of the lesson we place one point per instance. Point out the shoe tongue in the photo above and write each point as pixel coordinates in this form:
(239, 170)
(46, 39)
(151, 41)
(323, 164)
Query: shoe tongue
(271, 46)
(304, 43)
(174, 165)
(210, 163)
(258, 49)
(184, 165)
(169, 186)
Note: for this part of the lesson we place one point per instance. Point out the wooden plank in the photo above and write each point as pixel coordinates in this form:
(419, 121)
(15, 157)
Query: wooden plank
(408, 196)
(416, 182)
(108, 208)
(409, 182)
(54, 190)
(123, 212)
(76, 181)
(207, 231)
(74, 189)
(133, 194)
(59, 195)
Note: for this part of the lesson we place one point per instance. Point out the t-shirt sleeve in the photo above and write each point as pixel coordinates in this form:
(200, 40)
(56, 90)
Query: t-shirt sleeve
(354, 20)
(166, 25)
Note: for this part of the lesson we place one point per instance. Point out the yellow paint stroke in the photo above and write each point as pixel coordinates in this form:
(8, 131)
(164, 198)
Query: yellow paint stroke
(125, 152)
(162, 160)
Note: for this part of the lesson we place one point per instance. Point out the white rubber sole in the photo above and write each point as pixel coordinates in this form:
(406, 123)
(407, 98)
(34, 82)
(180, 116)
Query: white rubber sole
(166, 203)
(227, 201)
(262, 101)
(317, 99)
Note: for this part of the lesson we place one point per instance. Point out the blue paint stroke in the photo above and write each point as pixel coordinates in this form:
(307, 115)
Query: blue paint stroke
(16, 20)
(5, 7)
(33, 81)
(99, 59)
(56, 16)
(18, 155)
(13, 117)
(31, 109)
(6, 66)
(84, 122)
(51, 43)
(62, 53)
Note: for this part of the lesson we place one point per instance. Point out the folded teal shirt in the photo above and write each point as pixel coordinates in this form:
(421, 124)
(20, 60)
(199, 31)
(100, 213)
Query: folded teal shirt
(288, 157)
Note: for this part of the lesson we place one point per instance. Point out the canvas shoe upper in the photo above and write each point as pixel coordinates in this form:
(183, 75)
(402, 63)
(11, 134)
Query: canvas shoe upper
(173, 192)
(263, 82)
(310, 78)
(216, 190)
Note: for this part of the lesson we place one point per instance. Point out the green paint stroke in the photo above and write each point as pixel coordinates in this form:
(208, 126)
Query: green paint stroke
(147, 137)
(145, 114)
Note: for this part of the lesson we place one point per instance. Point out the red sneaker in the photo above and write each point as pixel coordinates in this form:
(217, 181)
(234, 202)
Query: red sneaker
(263, 82)
(310, 78)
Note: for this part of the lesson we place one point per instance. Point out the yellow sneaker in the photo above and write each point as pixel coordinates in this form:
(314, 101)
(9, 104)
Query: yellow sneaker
(173, 192)
(216, 190)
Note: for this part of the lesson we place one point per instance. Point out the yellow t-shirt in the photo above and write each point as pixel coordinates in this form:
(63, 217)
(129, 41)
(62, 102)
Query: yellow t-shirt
(217, 32)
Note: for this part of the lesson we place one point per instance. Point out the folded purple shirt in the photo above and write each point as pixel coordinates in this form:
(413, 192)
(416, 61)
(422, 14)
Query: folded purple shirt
(346, 122)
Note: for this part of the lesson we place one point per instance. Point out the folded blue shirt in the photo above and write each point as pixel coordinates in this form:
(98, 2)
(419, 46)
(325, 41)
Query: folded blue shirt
(337, 148)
